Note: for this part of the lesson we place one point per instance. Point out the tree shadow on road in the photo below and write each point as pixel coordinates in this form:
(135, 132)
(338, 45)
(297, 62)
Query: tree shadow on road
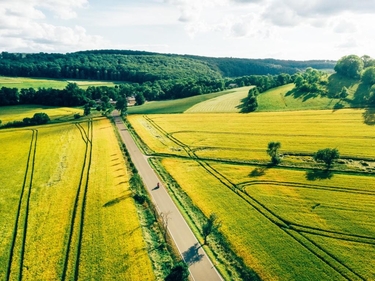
(192, 256)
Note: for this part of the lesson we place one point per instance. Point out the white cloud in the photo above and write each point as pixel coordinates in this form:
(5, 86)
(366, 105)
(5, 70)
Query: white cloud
(64, 9)
(23, 26)
(344, 26)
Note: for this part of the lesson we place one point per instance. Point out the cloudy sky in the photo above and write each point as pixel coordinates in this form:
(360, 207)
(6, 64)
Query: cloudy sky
(282, 29)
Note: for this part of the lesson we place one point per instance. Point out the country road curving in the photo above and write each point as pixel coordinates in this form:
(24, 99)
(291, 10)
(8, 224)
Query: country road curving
(200, 266)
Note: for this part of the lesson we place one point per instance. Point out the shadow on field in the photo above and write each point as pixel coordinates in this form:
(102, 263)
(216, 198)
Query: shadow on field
(369, 116)
(116, 200)
(191, 255)
(257, 172)
(313, 175)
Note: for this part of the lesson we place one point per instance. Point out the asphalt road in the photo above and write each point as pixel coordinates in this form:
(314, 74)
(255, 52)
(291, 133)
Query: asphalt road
(200, 266)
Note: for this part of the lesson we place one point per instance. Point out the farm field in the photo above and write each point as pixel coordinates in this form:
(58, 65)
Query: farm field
(66, 209)
(25, 82)
(287, 223)
(56, 114)
(182, 105)
(284, 226)
(245, 137)
(225, 103)
(279, 99)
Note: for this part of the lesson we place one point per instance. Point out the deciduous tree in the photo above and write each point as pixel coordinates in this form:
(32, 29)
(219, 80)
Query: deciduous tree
(350, 66)
(327, 155)
(273, 151)
(210, 225)
(368, 76)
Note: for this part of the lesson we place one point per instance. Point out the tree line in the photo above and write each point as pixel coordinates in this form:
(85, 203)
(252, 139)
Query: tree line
(72, 95)
(139, 67)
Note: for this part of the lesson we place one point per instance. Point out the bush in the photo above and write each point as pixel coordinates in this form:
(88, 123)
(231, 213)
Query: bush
(139, 198)
(178, 273)
(77, 116)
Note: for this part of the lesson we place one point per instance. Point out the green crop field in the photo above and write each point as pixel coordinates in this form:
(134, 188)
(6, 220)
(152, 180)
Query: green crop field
(226, 103)
(279, 99)
(24, 82)
(182, 105)
(66, 211)
(292, 222)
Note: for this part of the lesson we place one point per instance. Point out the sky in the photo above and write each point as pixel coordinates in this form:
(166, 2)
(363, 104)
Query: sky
(280, 29)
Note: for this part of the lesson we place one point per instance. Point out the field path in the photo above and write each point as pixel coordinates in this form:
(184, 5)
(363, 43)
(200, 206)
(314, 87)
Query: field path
(200, 266)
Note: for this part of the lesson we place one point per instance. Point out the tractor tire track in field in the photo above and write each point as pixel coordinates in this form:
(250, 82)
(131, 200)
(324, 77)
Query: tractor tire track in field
(330, 260)
(75, 231)
(18, 243)
(309, 186)
(265, 134)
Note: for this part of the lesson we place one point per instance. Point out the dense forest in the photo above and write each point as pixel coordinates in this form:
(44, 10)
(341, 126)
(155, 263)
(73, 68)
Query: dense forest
(139, 67)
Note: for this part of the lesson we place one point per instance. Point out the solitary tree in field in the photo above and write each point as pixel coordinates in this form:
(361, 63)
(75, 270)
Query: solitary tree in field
(273, 151)
(327, 155)
(210, 225)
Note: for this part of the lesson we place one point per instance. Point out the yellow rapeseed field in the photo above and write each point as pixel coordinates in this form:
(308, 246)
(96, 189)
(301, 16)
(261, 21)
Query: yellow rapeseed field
(284, 226)
(111, 245)
(245, 136)
(292, 223)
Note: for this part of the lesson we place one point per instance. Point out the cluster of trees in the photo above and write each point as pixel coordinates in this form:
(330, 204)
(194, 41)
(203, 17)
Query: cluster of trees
(353, 66)
(250, 103)
(359, 68)
(326, 155)
(72, 95)
(262, 82)
(311, 81)
(37, 119)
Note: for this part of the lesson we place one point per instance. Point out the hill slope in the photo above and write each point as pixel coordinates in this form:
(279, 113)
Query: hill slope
(137, 66)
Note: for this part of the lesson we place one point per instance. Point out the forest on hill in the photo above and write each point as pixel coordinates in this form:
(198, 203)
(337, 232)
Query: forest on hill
(139, 67)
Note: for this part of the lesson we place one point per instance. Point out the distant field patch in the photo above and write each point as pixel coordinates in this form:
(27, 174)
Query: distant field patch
(224, 103)
(278, 99)
(18, 112)
(25, 82)
(173, 106)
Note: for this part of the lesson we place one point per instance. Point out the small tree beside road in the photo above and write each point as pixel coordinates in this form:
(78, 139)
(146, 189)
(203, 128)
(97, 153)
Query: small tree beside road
(211, 224)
